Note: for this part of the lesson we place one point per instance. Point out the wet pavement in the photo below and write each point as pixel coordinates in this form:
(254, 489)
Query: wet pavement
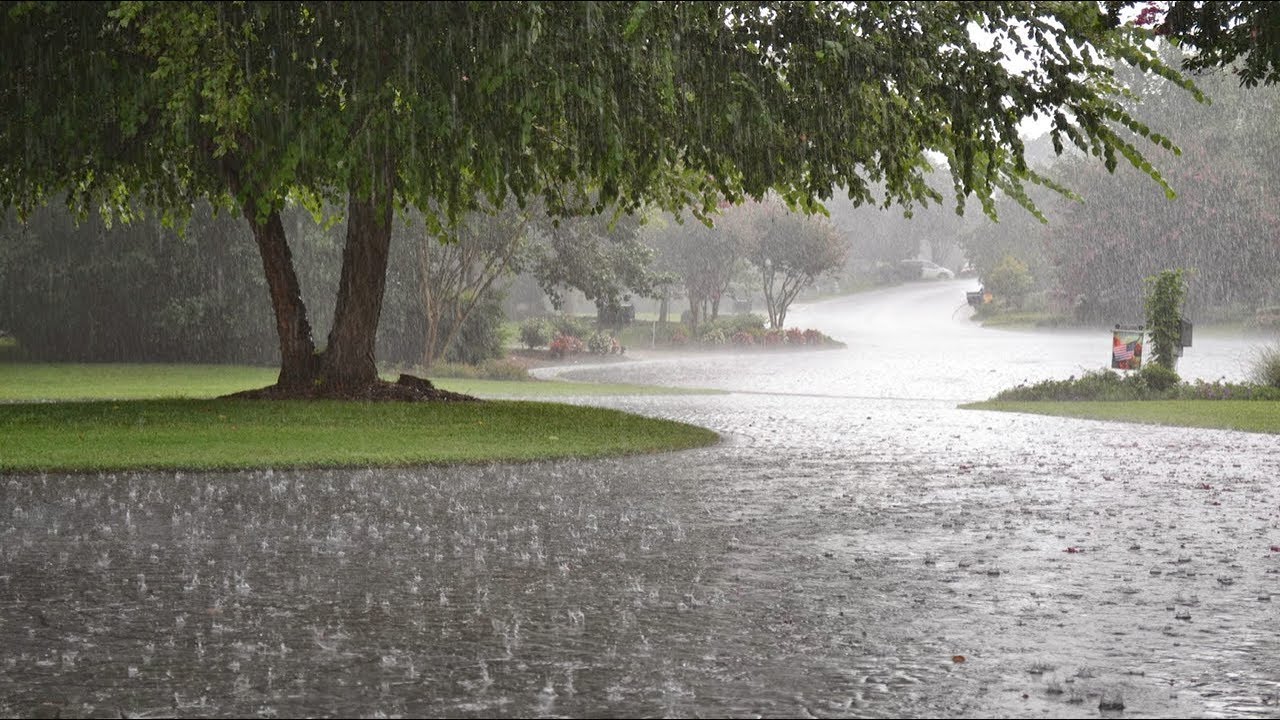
(856, 546)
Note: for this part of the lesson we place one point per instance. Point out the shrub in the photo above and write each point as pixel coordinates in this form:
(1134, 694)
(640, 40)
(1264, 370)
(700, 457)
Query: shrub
(1151, 383)
(1009, 280)
(481, 336)
(731, 325)
(535, 333)
(795, 336)
(774, 337)
(813, 337)
(1158, 377)
(679, 337)
(743, 338)
(714, 336)
(565, 345)
(1094, 385)
(1266, 367)
(600, 343)
(572, 326)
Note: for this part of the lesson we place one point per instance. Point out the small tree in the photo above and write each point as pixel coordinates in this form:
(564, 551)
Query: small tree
(791, 251)
(1165, 293)
(457, 270)
(1010, 280)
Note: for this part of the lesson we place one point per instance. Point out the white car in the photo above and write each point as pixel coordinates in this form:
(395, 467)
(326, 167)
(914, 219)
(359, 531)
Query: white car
(925, 270)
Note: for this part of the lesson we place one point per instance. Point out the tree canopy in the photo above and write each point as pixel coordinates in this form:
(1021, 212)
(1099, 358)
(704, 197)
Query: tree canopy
(443, 105)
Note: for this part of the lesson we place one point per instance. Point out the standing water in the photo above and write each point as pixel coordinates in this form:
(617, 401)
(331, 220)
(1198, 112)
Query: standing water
(856, 546)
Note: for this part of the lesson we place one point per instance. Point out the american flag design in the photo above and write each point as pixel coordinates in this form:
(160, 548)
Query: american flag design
(1126, 350)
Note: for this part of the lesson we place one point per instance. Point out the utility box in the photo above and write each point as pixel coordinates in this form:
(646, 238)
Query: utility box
(1184, 334)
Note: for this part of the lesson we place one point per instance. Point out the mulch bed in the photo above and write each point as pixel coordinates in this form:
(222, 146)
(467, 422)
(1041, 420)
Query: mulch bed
(406, 389)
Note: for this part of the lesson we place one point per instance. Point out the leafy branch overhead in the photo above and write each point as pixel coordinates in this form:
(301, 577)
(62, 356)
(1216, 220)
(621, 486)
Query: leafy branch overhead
(527, 97)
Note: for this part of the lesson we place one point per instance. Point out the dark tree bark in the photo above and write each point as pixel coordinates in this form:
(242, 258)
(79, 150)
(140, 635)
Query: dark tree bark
(349, 357)
(298, 360)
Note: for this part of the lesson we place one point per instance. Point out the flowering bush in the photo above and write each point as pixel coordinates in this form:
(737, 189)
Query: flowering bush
(604, 344)
(813, 337)
(565, 345)
(795, 336)
(773, 338)
(715, 336)
(679, 337)
(743, 338)
(600, 344)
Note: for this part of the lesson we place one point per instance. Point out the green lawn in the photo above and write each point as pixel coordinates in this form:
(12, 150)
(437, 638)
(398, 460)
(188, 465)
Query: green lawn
(1249, 415)
(235, 434)
(34, 382)
(130, 417)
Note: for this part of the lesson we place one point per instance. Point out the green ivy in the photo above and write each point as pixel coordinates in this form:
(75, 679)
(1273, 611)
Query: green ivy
(1165, 293)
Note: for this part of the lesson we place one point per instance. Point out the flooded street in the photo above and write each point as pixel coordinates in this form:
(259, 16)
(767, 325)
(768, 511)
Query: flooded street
(856, 546)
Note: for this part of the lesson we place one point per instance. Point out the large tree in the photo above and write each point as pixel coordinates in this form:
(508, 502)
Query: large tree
(441, 105)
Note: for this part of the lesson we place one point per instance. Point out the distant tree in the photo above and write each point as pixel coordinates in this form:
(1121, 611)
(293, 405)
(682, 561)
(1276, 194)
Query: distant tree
(457, 272)
(376, 105)
(790, 251)
(1223, 223)
(93, 292)
(601, 256)
(703, 258)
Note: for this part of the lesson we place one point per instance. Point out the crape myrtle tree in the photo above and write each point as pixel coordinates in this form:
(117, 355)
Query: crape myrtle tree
(455, 277)
(438, 106)
(789, 250)
(701, 259)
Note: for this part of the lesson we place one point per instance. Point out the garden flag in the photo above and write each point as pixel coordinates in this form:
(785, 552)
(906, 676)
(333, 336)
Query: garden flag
(1126, 349)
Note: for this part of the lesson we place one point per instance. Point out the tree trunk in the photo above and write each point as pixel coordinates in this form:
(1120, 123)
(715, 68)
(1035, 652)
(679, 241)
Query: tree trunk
(349, 357)
(662, 309)
(298, 362)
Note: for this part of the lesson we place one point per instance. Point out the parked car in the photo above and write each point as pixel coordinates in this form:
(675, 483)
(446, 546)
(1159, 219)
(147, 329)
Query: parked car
(924, 270)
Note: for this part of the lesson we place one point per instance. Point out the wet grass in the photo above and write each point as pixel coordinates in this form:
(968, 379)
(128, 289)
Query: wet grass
(239, 434)
(91, 417)
(1015, 320)
(1248, 415)
(37, 382)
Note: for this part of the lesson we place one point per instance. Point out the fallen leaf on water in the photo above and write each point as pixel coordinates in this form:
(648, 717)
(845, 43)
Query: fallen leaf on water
(1073, 549)
(957, 659)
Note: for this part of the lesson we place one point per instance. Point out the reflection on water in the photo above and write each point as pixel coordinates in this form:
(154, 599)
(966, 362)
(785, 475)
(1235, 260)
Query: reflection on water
(835, 556)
